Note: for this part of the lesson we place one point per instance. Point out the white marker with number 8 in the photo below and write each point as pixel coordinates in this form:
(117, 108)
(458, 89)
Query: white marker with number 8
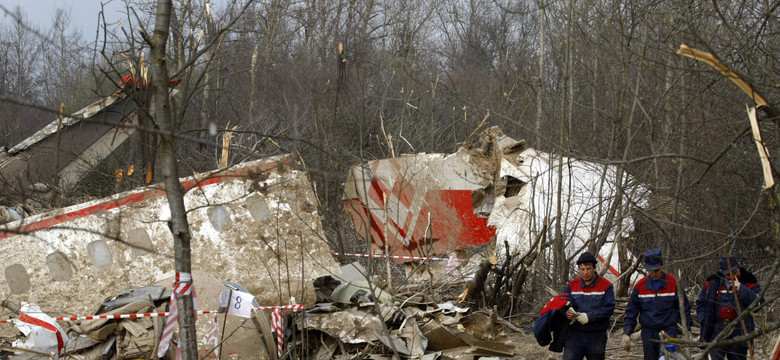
(236, 303)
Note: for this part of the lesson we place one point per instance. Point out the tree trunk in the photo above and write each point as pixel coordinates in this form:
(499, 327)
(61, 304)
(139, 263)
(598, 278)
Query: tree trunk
(540, 80)
(174, 191)
(208, 77)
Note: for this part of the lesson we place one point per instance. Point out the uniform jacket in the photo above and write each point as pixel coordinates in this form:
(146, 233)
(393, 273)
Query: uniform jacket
(552, 325)
(656, 310)
(597, 300)
(715, 295)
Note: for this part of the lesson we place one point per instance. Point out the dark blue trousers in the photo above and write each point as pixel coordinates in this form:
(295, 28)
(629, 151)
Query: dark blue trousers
(731, 352)
(652, 349)
(589, 345)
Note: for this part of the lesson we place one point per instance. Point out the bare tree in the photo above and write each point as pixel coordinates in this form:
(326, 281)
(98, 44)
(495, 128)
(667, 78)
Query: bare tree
(338, 82)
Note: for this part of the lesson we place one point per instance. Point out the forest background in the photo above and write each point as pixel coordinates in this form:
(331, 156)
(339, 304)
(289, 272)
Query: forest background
(338, 82)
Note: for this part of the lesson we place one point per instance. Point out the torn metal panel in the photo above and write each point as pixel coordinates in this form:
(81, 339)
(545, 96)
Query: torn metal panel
(350, 326)
(255, 224)
(42, 333)
(148, 293)
(439, 337)
(86, 112)
(353, 272)
(588, 192)
(422, 204)
(84, 140)
(325, 352)
(74, 170)
(459, 353)
(416, 342)
(492, 348)
(137, 307)
(392, 341)
(435, 203)
(408, 330)
(79, 344)
(135, 338)
(359, 291)
(482, 347)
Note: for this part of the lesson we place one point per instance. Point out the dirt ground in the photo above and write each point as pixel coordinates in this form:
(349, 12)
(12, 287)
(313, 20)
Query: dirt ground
(526, 347)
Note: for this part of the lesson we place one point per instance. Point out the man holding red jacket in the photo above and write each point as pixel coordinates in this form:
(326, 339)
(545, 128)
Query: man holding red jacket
(592, 304)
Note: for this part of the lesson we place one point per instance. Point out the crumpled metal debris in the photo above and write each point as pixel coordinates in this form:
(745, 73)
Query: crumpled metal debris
(41, 332)
(410, 325)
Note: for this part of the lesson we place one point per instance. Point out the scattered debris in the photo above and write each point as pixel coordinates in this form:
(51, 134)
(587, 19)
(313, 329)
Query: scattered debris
(410, 325)
(112, 333)
(259, 218)
(500, 198)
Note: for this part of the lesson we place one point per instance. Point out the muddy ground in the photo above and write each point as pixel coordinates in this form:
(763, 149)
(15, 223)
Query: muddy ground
(526, 347)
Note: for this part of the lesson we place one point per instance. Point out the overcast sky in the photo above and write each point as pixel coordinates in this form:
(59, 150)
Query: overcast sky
(83, 13)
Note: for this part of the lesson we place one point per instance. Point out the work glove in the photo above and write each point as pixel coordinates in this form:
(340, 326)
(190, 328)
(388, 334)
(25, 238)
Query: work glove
(582, 318)
(737, 284)
(626, 342)
(571, 312)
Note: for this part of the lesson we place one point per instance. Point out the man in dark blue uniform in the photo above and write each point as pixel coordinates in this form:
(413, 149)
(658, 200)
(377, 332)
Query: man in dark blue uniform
(717, 306)
(656, 301)
(592, 304)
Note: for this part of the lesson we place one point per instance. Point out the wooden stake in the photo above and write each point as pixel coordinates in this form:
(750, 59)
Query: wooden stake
(224, 322)
(223, 163)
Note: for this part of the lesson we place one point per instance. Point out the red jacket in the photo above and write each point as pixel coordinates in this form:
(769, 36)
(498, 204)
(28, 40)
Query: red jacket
(552, 326)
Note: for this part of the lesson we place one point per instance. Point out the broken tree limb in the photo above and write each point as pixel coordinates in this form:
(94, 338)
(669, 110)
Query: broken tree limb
(503, 275)
(511, 275)
(681, 306)
(713, 61)
(763, 153)
(537, 244)
(477, 286)
(522, 266)
(11, 306)
(716, 64)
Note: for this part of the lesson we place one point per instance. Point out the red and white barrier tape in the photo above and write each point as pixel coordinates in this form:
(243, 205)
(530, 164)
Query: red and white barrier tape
(449, 271)
(134, 316)
(294, 307)
(395, 256)
(277, 327)
(182, 285)
(213, 336)
(122, 316)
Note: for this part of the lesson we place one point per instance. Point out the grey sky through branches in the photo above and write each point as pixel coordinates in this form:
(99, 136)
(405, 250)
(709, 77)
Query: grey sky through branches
(83, 13)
